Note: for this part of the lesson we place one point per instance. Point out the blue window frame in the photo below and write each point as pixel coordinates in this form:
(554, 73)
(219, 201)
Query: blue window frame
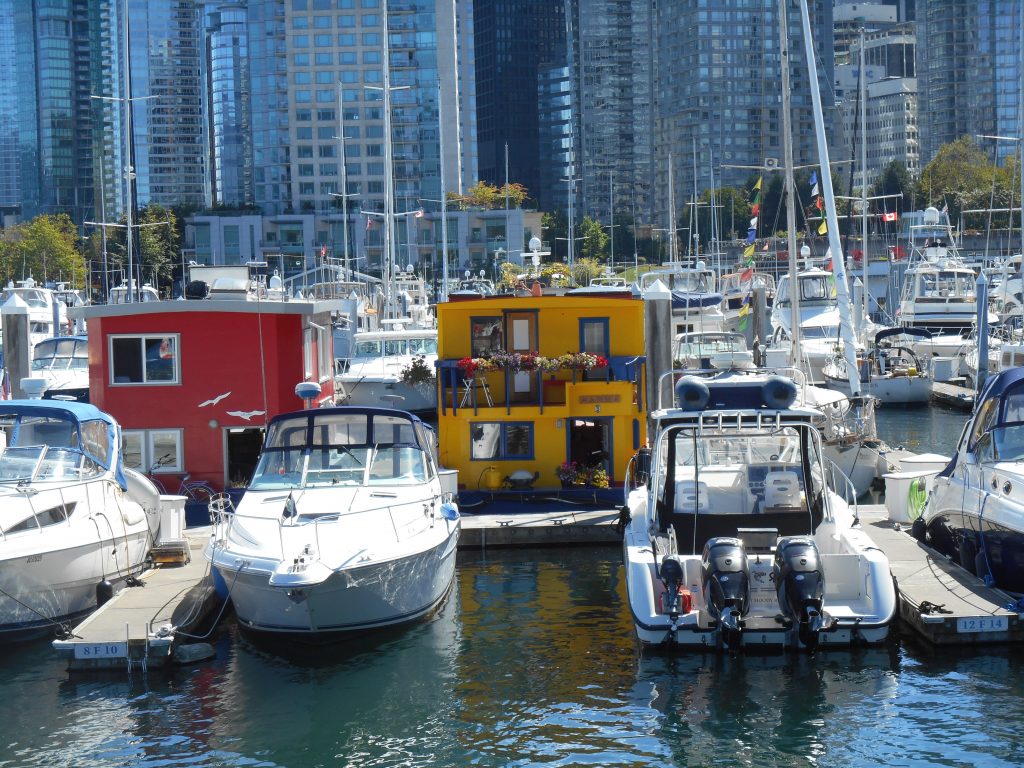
(594, 336)
(500, 440)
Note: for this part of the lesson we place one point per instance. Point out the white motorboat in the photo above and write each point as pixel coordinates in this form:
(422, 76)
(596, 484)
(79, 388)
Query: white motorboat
(938, 287)
(392, 368)
(47, 315)
(696, 305)
(719, 350)
(345, 525)
(892, 372)
(63, 363)
(819, 320)
(738, 535)
(73, 520)
(975, 510)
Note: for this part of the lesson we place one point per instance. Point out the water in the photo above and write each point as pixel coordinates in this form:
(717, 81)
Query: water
(531, 661)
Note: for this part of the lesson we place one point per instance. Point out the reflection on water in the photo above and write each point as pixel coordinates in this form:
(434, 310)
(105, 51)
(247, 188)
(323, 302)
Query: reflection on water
(531, 661)
(921, 430)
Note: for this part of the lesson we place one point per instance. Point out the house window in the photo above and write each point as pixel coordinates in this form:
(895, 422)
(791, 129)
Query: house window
(594, 339)
(485, 333)
(144, 360)
(500, 440)
(153, 451)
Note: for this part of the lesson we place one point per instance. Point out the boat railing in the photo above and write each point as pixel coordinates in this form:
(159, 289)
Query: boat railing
(840, 483)
(229, 519)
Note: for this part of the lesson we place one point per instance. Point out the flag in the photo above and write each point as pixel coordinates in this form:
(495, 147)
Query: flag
(369, 223)
(748, 252)
(323, 251)
(823, 227)
(746, 274)
(819, 203)
(744, 310)
(755, 193)
(814, 183)
(419, 214)
(751, 236)
(753, 223)
(945, 208)
(755, 209)
(889, 216)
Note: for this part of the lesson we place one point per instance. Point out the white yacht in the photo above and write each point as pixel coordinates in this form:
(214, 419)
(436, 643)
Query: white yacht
(696, 305)
(47, 315)
(739, 536)
(819, 319)
(390, 368)
(703, 351)
(892, 372)
(63, 363)
(345, 525)
(73, 520)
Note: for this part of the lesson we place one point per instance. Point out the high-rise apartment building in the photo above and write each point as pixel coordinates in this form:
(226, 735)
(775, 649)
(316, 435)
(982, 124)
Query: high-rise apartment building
(718, 85)
(969, 59)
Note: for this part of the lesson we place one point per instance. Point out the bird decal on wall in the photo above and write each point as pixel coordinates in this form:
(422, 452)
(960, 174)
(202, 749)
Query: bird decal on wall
(214, 400)
(245, 415)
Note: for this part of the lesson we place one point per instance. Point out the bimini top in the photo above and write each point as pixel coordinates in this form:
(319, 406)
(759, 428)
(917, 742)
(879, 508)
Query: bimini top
(67, 409)
(695, 299)
(1007, 386)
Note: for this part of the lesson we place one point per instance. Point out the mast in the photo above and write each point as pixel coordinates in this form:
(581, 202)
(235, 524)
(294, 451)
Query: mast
(444, 200)
(838, 266)
(611, 222)
(864, 189)
(671, 214)
(787, 145)
(388, 251)
(129, 170)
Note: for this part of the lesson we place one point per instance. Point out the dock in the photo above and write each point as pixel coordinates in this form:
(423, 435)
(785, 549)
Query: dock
(940, 601)
(551, 527)
(139, 627)
(953, 396)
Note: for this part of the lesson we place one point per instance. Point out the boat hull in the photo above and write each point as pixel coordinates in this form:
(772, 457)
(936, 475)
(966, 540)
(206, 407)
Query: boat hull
(377, 393)
(889, 390)
(371, 596)
(43, 588)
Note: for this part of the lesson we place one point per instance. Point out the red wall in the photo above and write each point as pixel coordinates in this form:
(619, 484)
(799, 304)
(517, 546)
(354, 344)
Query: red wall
(220, 352)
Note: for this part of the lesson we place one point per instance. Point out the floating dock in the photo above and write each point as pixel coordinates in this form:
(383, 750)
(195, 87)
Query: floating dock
(939, 600)
(141, 626)
(553, 527)
(953, 396)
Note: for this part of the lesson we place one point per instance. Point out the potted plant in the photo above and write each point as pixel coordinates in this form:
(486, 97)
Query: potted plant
(597, 477)
(568, 473)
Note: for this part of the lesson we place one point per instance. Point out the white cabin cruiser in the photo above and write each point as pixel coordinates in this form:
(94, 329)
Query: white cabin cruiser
(345, 525)
(696, 305)
(73, 520)
(975, 511)
(389, 369)
(737, 537)
(819, 319)
(63, 363)
(47, 315)
(702, 351)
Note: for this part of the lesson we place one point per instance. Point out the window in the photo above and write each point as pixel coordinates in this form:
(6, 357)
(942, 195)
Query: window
(594, 339)
(144, 360)
(501, 440)
(485, 335)
(153, 451)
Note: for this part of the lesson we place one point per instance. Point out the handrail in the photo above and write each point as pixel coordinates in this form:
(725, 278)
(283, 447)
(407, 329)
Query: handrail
(848, 492)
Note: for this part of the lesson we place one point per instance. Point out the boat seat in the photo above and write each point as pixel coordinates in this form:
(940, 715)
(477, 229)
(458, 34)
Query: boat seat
(782, 489)
(692, 496)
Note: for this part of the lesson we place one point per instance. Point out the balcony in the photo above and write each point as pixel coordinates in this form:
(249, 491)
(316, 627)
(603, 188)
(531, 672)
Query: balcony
(612, 390)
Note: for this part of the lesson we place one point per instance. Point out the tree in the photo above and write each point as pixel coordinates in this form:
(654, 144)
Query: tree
(484, 195)
(894, 180)
(959, 176)
(554, 223)
(594, 239)
(159, 242)
(45, 248)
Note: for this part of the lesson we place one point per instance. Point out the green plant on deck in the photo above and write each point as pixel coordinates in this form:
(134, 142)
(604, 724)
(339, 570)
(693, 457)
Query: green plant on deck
(417, 372)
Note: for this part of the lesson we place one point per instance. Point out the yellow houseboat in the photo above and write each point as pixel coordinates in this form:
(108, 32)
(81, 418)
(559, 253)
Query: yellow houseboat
(541, 392)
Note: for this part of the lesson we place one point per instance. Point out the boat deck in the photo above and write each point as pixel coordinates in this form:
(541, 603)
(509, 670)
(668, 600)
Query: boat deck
(939, 600)
(140, 625)
(550, 527)
(953, 396)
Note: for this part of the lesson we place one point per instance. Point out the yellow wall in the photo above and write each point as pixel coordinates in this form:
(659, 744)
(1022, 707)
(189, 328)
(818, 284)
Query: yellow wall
(558, 332)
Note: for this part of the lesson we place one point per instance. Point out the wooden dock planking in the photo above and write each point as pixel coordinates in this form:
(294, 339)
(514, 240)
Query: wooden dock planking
(173, 597)
(925, 577)
(953, 396)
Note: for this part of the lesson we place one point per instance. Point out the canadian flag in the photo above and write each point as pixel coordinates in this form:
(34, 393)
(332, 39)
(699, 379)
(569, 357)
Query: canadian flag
(889, 216)
(419, 214)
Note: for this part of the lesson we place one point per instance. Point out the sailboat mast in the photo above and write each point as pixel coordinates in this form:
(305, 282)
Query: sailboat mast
(129, 170)
(838, 266)
(671, 214)
(787, 149)
(864, 189)
(388, 251)
(444, 201)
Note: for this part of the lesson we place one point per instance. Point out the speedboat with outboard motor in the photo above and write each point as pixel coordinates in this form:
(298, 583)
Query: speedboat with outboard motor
(975, 511)
(738, 535)
(344, 526)
(74, 522)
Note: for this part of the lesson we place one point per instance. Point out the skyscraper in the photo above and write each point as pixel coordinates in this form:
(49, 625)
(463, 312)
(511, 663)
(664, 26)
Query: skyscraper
(719, 103)
(968, 72)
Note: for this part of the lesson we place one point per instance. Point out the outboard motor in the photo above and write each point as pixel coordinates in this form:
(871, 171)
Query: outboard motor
(725, 579)
(800, 587)
(675, 601)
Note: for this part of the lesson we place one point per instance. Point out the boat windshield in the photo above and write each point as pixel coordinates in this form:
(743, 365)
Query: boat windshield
(945, 284)
(422, 346)
(352, 449)
(34, 297)
(819, 332)
(1007, 444)
(50, 447)
(60, 355)
(710, 344)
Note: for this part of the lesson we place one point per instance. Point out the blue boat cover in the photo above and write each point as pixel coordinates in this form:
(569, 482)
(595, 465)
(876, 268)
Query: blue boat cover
(695, 299)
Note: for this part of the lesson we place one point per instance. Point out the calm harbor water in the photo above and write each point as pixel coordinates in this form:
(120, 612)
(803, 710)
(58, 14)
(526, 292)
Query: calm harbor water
(531, 661)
